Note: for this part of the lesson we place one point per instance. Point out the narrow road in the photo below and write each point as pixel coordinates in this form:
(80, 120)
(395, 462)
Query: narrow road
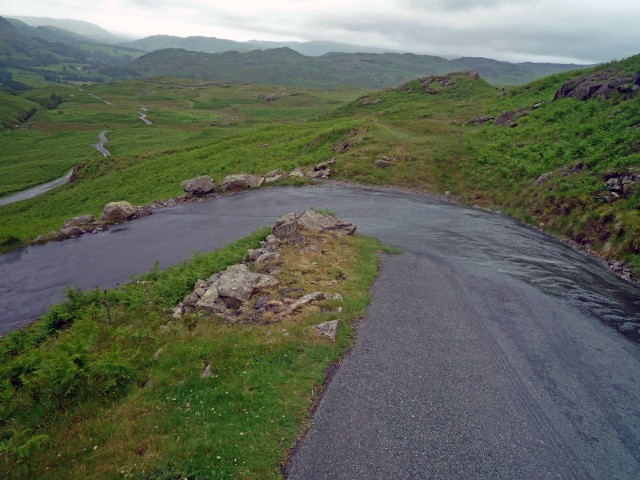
(489, 351)
(35, 191)
(145, 119)
(102, 136)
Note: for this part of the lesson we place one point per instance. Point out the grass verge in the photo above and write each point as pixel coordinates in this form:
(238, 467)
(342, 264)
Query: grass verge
(107, 385)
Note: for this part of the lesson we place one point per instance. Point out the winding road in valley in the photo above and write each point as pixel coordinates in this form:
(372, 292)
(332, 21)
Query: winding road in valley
(37, 190)
(102, 136)
(489, 350)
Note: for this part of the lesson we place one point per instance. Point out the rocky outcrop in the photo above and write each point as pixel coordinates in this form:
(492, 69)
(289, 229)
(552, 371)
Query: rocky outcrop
(73, 228)
(291, 224)
(603, 83)
(435, 84)
(250, 290)
(224, 291)
(240, 182)
(620, 185)
(119, 212)
(508, 119)
(199, 186)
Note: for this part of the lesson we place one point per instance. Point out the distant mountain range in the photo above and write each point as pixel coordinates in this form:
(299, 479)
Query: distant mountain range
(90, 31)
(284, 66)
(221, 45)
(62, 51)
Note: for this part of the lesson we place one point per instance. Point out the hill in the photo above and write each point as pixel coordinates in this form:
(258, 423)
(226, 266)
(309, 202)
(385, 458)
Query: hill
(284, 66)
(85, 29)
(562, 151)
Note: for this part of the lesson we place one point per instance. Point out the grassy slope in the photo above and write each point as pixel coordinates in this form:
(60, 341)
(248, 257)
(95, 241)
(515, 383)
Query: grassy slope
(72, 402)
(13, 109)
(211, 130)
(428, 135)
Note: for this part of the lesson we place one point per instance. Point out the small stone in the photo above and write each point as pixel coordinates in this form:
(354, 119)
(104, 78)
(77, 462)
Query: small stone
(297, 172)
(159, 352)
(206, 373)
(337, 297)
(330, 329)
(305, 300)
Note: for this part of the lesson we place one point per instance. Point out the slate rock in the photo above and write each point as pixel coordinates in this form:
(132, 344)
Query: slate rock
(199, 185)
(240, 182)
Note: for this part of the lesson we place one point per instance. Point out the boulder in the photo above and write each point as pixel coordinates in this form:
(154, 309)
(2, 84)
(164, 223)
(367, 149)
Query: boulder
(266, 257)
(119, 212)
(199, 185)
(238, 284)
(329, 329)
(241, 181)
(211, 301)
(80, 221)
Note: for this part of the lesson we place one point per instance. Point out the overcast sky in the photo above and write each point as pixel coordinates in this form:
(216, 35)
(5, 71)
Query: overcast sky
(578, 31)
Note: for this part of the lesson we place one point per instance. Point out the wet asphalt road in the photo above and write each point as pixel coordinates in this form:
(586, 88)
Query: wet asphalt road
(489, 350)
(35, 191)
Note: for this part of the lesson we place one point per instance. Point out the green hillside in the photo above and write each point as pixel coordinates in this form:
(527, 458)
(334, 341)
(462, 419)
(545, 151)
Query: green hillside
(570, 134)
(284, 66)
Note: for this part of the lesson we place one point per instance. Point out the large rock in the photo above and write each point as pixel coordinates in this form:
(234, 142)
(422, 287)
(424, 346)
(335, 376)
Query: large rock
(119, 212)
(238, 284)
(603, 83)
(241, 181)
(311, 221)
(199, 185)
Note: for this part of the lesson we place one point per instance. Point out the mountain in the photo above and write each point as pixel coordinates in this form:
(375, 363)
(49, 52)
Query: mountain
(86, 29)
(220, 45)
(48, 33)
(284, 66)
(317, 48)
(16, 49)
(196, 44)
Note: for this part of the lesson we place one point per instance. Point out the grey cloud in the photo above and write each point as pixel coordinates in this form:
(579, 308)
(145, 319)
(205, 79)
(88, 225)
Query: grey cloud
(513, 40)
(457, 5)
